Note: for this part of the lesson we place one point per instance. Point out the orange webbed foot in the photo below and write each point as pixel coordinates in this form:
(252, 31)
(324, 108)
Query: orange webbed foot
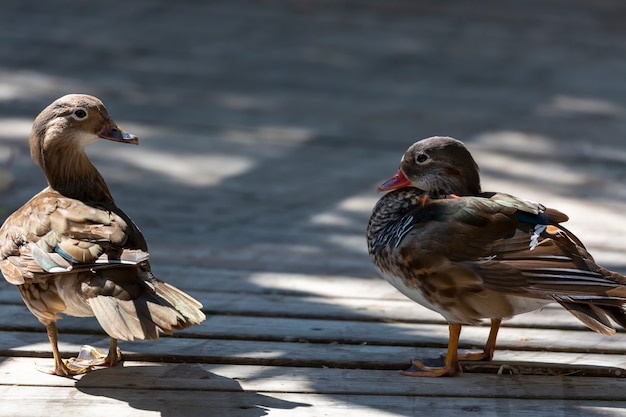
(418, 368)
(476, 356)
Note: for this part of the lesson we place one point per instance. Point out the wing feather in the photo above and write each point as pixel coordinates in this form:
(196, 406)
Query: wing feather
(52, 234)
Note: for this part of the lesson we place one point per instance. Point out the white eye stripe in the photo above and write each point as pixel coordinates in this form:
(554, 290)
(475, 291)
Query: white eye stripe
(79, 113)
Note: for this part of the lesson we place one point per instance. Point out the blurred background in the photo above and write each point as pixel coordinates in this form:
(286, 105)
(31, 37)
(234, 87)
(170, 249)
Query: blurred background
(265, 126)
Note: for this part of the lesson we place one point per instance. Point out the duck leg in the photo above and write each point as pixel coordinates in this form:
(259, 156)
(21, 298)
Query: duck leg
(451, 364)
(88, 356)
(115, 355)
(490, 345)
(60, 368)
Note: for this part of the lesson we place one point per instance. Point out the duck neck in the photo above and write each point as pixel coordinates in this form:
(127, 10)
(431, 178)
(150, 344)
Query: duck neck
(70, 172)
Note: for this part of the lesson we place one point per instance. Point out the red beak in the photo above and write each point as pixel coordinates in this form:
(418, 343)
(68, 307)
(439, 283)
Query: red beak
(397, 181)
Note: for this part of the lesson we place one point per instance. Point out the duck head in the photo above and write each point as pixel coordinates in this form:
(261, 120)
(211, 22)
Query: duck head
(437, 165)
(70, 123)
(57, 144)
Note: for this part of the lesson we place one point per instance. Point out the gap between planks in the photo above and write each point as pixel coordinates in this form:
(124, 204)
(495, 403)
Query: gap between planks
(177, 350)
(220, 377)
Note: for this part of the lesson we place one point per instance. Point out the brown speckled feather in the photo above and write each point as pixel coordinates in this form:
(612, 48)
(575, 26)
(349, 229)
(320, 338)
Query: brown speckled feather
(50, 220)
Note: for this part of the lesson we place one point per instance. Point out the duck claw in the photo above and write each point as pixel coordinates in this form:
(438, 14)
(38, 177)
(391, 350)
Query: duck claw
(87, 360)
(418, 368)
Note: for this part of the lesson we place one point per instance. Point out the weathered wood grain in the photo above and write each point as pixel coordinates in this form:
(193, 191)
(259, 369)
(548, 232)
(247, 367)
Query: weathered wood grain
(353, 332)
(131, 403)
(310, 380)
(239, 390)
(302, 354)
(265, 127)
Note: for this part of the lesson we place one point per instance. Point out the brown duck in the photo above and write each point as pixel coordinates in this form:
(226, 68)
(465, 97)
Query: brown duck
(71, 250)
(471, 255)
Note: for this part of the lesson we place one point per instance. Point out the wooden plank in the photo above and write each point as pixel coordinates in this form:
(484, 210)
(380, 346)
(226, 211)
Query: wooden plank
(220, 351)
(352, 332)
(169, 349)
(212, 377)
(54, 401)
(94, 402)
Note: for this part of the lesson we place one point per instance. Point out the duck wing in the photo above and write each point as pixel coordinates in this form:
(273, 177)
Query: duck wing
(53, 234)
(517, 247)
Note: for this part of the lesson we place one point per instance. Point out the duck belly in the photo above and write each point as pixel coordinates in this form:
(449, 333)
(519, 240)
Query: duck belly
(414, 293)
(470, 307)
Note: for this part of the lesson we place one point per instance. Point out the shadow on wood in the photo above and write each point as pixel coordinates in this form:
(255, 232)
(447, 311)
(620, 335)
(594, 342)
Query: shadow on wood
(190, 391)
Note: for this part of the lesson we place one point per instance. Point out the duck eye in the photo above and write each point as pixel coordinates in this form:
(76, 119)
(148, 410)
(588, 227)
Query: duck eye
(80, 113)
(421, 157)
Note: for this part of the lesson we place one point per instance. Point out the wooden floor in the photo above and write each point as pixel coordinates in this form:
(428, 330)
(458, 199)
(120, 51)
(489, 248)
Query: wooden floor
(265, 127)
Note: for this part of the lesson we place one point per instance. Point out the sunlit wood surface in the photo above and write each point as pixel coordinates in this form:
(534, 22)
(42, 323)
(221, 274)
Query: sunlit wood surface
(264, 128)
